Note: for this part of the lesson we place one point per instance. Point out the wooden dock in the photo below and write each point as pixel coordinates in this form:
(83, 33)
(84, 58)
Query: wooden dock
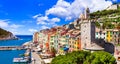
(12, 48)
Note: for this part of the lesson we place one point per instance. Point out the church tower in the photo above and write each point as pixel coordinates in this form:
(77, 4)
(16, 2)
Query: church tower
(87, 13)
(87, 30)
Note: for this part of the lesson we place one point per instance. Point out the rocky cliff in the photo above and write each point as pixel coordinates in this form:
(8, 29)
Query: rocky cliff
(6, 35)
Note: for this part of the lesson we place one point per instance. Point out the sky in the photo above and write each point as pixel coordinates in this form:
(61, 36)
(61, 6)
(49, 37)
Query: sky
(24, 17)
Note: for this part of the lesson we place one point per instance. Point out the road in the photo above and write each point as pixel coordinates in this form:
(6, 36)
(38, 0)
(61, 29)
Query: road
(36, 58)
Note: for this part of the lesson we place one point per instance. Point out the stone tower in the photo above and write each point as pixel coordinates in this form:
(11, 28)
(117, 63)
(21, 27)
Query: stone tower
(87, 13)
(87, 30)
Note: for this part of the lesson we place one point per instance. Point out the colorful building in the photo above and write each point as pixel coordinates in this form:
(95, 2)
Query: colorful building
(113, 36)
(35, 38)
(100, 34)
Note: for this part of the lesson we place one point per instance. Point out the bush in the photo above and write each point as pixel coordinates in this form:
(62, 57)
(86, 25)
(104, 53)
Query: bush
(84, 57)
(100, 57)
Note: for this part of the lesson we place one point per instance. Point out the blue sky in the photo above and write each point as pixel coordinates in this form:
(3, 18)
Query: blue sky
(24, 17)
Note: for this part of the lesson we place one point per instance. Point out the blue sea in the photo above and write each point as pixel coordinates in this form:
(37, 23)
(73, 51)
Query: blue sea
(6, 57)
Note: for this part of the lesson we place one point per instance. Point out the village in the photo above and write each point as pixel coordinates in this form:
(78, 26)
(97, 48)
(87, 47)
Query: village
(81, 34)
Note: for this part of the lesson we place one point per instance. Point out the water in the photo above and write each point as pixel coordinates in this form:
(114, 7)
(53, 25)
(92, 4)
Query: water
(6, 57)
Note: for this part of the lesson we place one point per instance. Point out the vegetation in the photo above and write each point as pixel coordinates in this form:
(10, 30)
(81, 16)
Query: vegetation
(84, 57)
(105, 13)
(4, 33)
(100, 57)
(109, 18)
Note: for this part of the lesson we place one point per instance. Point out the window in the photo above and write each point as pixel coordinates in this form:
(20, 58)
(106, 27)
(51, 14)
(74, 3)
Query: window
(104, 33)
(96, 33)
(104, 37)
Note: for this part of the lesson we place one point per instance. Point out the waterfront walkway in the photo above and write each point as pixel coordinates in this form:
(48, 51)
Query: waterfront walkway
(36, 58)
(12, 47)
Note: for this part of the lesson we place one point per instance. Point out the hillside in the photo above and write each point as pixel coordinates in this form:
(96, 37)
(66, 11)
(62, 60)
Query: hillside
(6, 35)
(109, 18)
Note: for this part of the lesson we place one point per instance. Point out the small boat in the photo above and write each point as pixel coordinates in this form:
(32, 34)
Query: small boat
(20, 61)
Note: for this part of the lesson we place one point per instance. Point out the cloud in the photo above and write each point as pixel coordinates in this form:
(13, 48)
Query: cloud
(6, 24)
(36, 16)
(69, 11)
(54, 20)
(44, 20)
(32, 30)
(3, 23)
(44, 27)
(15, 26)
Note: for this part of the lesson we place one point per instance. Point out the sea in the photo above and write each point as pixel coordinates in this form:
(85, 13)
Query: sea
(6, 56)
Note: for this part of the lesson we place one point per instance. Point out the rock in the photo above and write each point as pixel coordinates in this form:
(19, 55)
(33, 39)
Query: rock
(6, 35)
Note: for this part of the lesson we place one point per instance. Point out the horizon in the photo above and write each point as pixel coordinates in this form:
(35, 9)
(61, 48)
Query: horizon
(25, 17)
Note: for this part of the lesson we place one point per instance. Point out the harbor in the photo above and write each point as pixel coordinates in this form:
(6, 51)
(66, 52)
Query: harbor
(14, 50)
(24, 58)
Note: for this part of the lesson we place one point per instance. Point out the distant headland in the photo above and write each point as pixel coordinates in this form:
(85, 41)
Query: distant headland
(6, 35)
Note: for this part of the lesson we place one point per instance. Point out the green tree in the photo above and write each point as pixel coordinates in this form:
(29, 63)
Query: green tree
(84, 57)
(76, 57)
(100, 57)
(97, 24)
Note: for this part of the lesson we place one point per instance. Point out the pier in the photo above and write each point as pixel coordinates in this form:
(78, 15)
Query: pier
(12, 48)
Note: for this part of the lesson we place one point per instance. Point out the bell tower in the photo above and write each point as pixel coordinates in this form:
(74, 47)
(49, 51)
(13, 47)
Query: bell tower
(87, 13)
(87, 30)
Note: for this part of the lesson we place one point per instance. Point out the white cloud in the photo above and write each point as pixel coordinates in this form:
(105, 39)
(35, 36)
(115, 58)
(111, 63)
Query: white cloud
(44, 20)
(53, 20)
(69, 11)
(32, 30)
(3, 23)
(6, 24)
(36, 15)
(44, 27)
(15, 26)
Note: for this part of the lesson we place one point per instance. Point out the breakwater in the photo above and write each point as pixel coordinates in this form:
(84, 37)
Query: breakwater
(13, 48)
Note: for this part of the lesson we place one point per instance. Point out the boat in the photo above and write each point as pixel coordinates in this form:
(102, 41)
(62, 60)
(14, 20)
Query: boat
(22, 60)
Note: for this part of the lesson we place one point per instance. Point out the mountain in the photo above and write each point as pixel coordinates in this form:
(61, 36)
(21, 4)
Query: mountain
(6, 35)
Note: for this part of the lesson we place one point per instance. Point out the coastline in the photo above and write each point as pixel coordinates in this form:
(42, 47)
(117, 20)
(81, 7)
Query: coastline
(10, 38)
(10, 54)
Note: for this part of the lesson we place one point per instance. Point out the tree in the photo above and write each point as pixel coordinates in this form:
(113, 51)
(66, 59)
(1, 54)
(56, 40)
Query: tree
(76, 57)
(97, 24)
(100, 57)
(84, 57)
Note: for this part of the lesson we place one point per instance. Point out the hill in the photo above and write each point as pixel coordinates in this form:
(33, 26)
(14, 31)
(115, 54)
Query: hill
(109, 17)
(6, 35)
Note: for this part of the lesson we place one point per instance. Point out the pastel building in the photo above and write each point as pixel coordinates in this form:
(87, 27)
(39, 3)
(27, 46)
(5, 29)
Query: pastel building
(35, 38)
(109, 35)
(113, 36)
(100, 34)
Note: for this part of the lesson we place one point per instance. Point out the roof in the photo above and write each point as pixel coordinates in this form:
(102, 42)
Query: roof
(94, 47)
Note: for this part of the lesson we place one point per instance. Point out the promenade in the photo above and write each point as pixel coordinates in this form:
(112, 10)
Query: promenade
(37, 59)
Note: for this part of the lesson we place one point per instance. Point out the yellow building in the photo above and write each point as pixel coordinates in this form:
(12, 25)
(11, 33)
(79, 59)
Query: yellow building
(109, 36)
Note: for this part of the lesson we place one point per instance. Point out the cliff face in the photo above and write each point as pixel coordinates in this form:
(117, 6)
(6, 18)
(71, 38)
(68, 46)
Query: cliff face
(6, 35)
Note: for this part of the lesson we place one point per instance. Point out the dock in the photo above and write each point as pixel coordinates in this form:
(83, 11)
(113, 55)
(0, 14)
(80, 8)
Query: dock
(12, 48)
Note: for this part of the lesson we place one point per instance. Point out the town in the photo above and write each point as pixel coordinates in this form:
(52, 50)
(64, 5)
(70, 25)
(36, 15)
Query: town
(90, 32)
